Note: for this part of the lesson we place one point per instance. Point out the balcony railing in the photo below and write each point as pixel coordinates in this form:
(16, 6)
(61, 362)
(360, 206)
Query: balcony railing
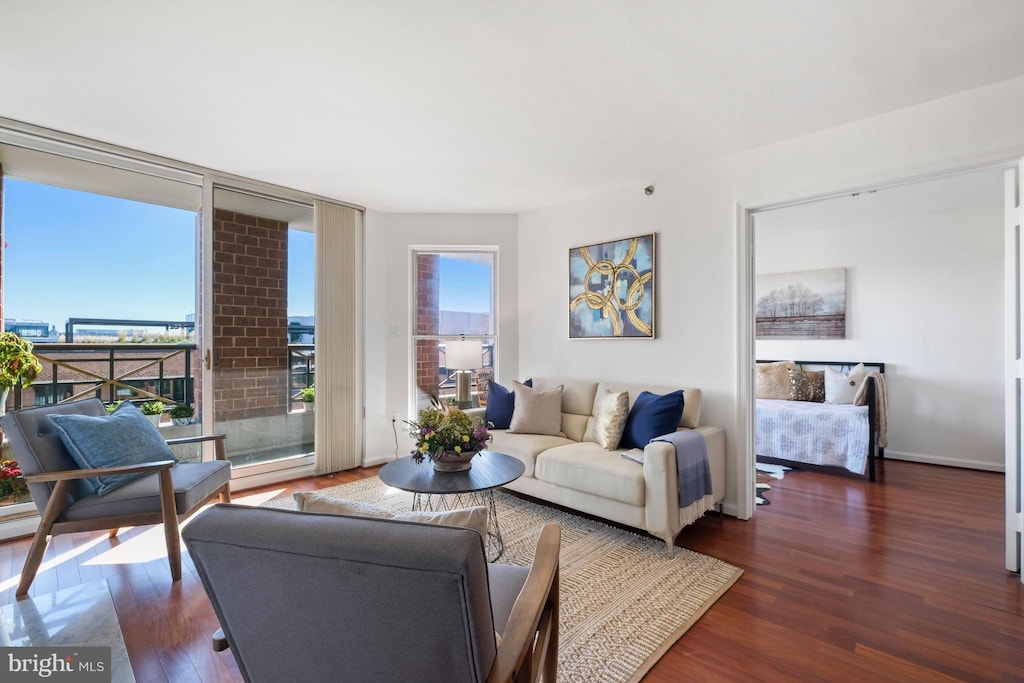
(112, 372)
(301, 369)
(136, 372)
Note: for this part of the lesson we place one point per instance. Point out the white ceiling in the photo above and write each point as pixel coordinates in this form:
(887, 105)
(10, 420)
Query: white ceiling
(480, 105)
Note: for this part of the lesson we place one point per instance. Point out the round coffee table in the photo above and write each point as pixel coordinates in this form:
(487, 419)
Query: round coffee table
(433, 490)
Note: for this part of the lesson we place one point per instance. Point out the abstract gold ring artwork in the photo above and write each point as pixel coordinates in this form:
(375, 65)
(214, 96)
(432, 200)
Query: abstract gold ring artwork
(611, 289)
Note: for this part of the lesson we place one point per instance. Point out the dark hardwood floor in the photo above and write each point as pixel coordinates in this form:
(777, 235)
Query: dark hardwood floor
(844, 580)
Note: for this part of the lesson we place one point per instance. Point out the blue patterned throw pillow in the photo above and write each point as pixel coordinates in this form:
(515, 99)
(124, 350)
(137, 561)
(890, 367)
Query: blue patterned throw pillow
(124, 437)
(652, 415)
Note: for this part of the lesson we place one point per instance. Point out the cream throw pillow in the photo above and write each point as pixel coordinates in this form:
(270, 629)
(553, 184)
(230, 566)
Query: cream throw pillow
(610, 412)
(537, 412)
(842, 387)
(474, 518)
(314, 501)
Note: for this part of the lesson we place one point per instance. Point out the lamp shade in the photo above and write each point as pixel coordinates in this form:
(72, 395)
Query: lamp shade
(463, 354)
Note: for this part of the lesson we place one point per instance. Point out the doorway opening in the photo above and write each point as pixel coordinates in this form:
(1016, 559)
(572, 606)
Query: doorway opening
(924, 284)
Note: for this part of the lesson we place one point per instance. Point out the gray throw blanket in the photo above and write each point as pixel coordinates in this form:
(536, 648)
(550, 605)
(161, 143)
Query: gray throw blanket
(692, 461)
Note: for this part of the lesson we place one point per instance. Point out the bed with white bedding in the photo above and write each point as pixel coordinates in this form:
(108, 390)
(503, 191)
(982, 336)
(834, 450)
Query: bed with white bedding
(813, 433)
(824, 434)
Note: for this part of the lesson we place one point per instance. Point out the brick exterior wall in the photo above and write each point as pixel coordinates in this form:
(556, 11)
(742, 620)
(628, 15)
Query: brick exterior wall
(250, 315)
(428, 320)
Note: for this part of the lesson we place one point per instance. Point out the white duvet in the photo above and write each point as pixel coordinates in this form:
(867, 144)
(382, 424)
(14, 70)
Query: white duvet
(812, 433)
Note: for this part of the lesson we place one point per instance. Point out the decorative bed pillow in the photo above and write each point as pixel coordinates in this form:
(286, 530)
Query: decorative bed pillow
(474, 518)
(537, 412)
(500, 404)
(652, 415)
(772, 379)
(807, 385)
(610, 412)
(124, 437)
(842, 387)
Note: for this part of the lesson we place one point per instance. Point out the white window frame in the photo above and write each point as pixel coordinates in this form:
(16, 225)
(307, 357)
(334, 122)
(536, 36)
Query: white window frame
(414, 252)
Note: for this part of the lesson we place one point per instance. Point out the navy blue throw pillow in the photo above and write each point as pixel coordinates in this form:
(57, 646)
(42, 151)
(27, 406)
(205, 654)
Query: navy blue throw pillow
(652, 415)
(500, 404)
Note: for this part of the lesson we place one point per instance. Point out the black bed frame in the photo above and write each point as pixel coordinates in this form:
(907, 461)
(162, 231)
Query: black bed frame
(873, 450)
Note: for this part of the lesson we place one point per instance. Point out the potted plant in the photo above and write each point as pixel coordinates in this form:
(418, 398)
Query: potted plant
(18, 365)
(111, 407)
(448, 437)
(153, 410)
(181, 414)
(308, 397)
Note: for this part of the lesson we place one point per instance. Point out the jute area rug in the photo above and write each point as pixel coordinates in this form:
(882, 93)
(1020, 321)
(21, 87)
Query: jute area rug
(624, 602)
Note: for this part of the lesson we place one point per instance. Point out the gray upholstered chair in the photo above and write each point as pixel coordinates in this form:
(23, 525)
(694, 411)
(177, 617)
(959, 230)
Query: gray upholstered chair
(167, 493)
(312, 597)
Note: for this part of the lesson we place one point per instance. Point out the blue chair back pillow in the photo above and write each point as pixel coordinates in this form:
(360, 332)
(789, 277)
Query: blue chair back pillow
(124, 437)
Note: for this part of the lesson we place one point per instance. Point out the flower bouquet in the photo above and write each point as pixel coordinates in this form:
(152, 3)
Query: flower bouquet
(448, 437)
(13, 488)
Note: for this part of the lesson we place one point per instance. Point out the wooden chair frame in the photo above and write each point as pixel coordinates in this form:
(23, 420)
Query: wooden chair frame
(49, 526)
(529, 645)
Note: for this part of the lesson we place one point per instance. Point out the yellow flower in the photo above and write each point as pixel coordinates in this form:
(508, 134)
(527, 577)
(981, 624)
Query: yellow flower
(458, 449)
(465, 437)
(424, 448)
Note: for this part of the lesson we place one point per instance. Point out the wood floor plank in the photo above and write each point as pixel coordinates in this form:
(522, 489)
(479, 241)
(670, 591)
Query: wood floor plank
(900, 580)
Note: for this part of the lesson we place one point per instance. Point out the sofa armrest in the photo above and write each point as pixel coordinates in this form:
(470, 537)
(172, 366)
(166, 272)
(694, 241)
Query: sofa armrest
(661, 481)
(476, 412)
(661, 489)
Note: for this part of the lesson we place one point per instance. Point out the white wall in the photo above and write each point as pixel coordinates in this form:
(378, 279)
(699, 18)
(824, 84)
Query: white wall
(694, 212)
(388, 301)
(924, 296)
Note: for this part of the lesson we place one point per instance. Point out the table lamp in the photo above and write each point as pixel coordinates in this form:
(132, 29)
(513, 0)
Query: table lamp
(463, 356)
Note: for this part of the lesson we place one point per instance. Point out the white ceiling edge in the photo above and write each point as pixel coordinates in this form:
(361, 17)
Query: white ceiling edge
(941, 194)
(484, 107)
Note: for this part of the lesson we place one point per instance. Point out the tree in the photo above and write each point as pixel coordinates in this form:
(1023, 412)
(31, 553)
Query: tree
(793, 301)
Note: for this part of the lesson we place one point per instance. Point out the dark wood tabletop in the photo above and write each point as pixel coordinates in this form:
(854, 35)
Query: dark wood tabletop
(490, 469)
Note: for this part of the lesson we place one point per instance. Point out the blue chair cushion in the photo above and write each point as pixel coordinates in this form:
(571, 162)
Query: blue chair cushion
(652, 415)
(124, 437)
(500, 404)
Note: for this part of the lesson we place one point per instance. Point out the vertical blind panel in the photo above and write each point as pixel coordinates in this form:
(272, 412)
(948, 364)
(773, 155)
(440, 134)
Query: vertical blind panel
(338, 435)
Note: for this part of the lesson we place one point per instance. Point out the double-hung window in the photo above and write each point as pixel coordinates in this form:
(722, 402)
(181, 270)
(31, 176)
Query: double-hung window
(454, 295)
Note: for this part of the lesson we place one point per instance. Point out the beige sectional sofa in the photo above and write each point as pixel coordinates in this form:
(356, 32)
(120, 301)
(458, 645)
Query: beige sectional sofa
(584, 476)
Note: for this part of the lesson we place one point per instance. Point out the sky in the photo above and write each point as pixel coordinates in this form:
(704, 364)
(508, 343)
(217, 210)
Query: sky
(77, 254)
(465, 286)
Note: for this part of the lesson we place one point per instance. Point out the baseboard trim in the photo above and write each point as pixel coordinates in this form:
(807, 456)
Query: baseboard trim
(272, 477)
(948, 462)
(21, 526)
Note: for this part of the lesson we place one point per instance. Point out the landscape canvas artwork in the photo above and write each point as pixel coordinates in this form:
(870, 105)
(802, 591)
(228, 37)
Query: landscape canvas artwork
(611, 289)
(805, 305)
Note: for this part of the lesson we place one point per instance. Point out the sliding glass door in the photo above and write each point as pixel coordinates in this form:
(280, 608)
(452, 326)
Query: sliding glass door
(259, 329)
